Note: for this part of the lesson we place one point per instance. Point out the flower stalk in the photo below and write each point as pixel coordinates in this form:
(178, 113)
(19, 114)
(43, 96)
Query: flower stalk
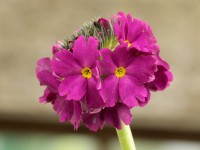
(125, 138)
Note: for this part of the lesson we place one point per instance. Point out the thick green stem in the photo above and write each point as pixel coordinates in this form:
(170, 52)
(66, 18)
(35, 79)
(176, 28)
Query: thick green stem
(125, 138)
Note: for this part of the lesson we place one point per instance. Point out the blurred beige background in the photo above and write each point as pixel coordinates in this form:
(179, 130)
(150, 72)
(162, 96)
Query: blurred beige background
(28, 28)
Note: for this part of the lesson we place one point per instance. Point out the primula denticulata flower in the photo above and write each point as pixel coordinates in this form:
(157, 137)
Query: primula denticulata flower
(100, 73)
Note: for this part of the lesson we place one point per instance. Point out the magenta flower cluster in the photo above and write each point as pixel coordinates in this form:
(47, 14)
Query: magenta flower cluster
(97, 86)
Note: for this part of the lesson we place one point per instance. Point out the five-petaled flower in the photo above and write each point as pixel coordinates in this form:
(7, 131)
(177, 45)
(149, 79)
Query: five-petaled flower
(79, 73)
(135, 32)
(126, 72)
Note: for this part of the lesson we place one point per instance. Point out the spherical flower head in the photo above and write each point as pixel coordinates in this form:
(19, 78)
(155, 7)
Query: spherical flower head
(102, 71)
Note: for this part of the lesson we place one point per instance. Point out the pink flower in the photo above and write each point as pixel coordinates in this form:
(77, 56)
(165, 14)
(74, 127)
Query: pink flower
(79, 73)
(138, 35)
(125, 75)
(135, 32)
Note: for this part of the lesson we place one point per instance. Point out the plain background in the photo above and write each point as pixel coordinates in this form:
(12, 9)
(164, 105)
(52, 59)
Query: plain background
(28, 28)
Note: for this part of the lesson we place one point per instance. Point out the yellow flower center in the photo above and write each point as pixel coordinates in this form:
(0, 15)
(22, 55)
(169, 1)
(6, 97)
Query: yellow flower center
(127, 41)
(120, 72)
(86, 72)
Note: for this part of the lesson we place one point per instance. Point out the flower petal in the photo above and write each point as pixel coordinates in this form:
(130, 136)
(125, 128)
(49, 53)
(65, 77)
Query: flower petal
(146, 42)
(73, 87)
(63, 108)
(86, 51)
(64, 64)
(122, 56)
(48, 96)
(43, 64)
(111, 117)
(45, 75)
(93, 121)
(77, 115)
(142, 67)
(131, 91)
(93, 98)
(106, 65)
(161, 62)
(68, 111)
(57, 47)
(162, 79)
(96, 77)
(124, 113)
(147, 98)
(114, 115)
(109, 91)
(135, 29)
(47, 78)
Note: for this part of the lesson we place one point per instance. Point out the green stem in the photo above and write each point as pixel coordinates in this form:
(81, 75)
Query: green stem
(125, 138)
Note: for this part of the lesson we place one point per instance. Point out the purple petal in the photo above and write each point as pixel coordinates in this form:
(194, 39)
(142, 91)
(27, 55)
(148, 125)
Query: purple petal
(86, 51)
(161, 62)
(68, 111)
(146, 42)
(131, 91)
(142, 67)
(122, 56)
(77, 115)
(109, 91)
(48, 96)
(147, 98)
(162, 79)
(47, 78)
(124, 113)
(43, 64)
(137, 32)
(162, 76)
(64, 64)
(135, 29)
(57, 47)
(106, 65)
(73, 87)
(124, 24)
(114, 115)
(111, 117)
(93, 121)
(117, 30)
(93, 98)
(44, 74)
(63, 108)
(96, 77)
